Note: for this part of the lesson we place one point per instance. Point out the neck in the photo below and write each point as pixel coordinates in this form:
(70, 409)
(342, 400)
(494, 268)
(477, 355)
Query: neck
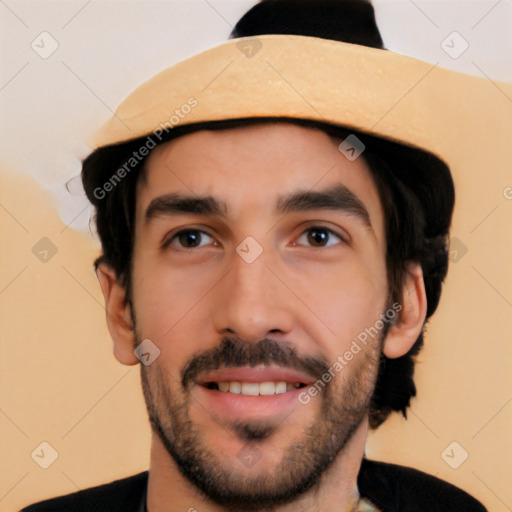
(169, 491)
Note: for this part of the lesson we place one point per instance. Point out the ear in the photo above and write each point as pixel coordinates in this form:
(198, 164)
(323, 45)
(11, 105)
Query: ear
(118, 315)
(405, 331)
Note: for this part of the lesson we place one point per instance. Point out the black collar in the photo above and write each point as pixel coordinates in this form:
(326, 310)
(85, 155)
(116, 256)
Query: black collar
(394, 488)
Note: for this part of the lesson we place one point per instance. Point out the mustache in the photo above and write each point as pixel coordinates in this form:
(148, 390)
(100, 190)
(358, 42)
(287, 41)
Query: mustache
(235, 353)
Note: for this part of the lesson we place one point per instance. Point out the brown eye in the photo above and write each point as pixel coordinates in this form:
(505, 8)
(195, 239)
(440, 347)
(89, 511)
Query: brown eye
(319, 237)
(190, 239)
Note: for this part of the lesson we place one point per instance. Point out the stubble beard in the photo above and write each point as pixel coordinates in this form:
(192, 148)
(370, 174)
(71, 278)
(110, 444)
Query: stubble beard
(307, 457)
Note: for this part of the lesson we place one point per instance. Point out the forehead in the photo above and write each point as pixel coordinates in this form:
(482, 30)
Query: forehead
(252, 165)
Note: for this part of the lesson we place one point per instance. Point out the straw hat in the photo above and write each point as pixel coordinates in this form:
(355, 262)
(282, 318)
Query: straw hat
(300, 77)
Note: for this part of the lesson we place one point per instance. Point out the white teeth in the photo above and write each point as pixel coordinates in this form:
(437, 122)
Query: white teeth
(256, 388)
(250, 388)
(267, 388)
(223, 386)
(235, 387)
(280, 388)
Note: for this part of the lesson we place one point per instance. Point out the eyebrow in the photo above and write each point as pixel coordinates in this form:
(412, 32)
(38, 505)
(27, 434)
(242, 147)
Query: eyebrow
(337, 198)
(177, 204)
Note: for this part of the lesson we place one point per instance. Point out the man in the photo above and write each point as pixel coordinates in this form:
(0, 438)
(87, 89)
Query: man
(272, 247)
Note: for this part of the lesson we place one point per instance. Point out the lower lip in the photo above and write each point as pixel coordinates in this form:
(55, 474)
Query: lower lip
(235, 407)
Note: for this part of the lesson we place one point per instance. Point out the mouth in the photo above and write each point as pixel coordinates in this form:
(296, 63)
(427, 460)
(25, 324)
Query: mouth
(250, 393)
(254, 388)
(254, 381)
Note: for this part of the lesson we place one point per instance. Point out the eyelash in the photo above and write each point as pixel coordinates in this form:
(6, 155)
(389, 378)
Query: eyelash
(170, 240)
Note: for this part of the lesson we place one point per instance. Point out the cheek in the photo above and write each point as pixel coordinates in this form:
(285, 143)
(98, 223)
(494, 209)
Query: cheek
(346, 299)
(171, 303)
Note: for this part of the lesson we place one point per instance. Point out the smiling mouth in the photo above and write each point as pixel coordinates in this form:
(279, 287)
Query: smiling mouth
(255, 381)
(254, 388)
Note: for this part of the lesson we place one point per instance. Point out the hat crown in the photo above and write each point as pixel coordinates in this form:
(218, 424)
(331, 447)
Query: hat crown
(348, 21)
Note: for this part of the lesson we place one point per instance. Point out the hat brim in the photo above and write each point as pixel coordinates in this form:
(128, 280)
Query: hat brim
(387, 96)
(286, 76)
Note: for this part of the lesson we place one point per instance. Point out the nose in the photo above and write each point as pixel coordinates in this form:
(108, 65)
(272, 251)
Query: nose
(251, 301)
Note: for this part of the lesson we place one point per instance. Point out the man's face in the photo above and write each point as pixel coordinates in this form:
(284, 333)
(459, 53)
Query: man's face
(262, 264)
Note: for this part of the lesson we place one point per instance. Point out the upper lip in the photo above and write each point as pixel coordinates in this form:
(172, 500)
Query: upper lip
(255, 374)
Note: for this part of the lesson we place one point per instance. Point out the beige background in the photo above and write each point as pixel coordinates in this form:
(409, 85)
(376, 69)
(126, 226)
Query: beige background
(59, 381)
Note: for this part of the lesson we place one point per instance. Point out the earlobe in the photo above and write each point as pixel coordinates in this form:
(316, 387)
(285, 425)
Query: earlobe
(118, 315)
(405, 331)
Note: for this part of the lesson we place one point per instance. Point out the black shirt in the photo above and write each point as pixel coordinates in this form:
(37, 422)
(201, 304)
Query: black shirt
(390, 487)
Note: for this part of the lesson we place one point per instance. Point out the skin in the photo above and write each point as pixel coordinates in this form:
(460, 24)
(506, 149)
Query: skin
(312, 298)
